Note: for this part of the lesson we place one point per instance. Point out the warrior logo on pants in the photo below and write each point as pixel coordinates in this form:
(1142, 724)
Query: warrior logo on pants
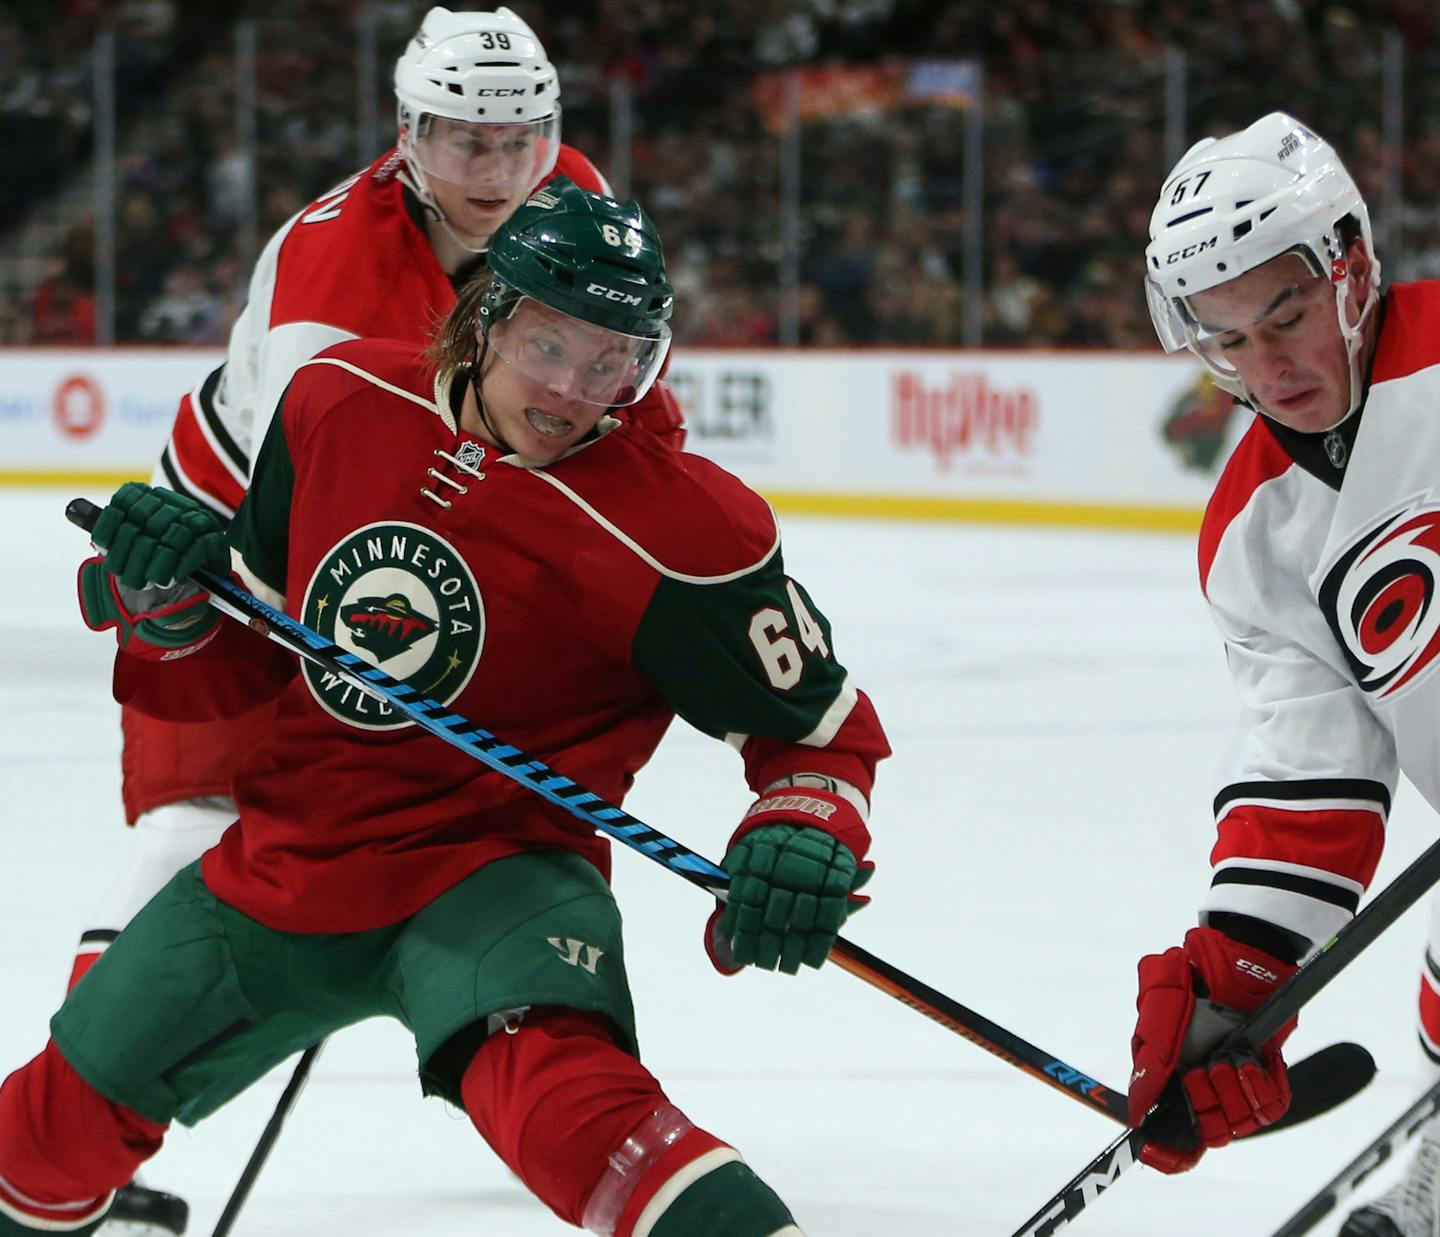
(402, 598)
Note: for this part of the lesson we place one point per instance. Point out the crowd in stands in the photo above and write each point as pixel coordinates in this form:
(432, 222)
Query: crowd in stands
(1074, 100)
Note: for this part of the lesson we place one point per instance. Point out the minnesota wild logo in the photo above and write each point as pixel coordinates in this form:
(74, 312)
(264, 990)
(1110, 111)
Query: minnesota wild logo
(386, 625)
(402, 598)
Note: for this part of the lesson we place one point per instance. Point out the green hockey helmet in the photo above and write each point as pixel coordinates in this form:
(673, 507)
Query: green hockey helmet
(593, 268)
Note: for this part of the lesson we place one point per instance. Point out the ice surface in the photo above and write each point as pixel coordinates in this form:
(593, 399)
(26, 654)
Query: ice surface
(1057, 702)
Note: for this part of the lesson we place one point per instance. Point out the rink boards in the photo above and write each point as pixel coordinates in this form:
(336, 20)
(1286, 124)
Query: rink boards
(1096, 439)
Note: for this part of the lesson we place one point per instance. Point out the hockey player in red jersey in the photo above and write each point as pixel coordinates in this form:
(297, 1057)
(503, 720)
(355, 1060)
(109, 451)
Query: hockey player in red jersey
(478, 522)
(1318, 558)
(381, 254)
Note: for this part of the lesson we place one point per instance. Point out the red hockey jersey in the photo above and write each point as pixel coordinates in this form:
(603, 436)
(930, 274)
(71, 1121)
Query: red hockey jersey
(573, 609)
(353, 263)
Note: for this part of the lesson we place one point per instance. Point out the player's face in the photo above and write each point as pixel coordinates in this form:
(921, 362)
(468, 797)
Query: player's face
(479, 174)
(543, 416)
(1276, 326)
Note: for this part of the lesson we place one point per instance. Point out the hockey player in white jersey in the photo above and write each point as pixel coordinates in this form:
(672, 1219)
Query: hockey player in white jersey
(1320, 561)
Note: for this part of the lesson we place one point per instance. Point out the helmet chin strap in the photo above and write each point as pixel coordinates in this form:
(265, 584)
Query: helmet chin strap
(476, 362)
(415, 179)
(1354, 337)
(456, 237)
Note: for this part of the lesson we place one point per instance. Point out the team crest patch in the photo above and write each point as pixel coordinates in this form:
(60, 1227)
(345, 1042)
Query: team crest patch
(1379, 598)
(399, 596)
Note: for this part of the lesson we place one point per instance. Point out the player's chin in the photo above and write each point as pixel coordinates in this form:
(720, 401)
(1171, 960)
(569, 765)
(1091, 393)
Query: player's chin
(473, 232)
(1310, 412)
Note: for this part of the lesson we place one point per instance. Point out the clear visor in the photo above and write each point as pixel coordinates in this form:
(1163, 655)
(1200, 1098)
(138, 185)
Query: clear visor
(1212, 352)
(1169, 325)
(499, 160)
(1178, 328)
(578, 360)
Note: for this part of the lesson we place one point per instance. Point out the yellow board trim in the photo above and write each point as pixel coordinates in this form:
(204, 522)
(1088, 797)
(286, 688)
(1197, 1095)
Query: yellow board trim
(111, 480)
(867, 506)
(991, 511)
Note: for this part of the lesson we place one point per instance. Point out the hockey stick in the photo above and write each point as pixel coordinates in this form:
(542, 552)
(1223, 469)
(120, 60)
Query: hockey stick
(230, 599)
(1383, 910)
(1348, 1179)
(267, 1140)
(556, 788)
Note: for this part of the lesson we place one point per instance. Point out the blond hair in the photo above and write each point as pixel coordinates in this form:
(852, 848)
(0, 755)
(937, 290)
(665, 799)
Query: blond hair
(453, 343)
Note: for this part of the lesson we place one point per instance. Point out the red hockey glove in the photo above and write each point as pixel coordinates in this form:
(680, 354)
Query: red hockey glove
(1190, 998)
(794, 874)
(658, 412)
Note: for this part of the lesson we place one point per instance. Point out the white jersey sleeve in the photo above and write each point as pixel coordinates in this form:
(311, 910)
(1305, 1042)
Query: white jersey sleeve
(222, 421)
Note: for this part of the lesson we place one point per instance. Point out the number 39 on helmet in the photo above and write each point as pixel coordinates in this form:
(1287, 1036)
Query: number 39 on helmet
(476, 69)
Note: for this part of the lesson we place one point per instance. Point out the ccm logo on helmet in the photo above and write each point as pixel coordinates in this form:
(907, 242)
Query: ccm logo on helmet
(610, 294)
(1191, 250)
(500, 92)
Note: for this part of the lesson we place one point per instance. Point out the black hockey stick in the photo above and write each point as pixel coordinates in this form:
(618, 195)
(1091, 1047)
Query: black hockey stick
(556, 788)
(1321, 1081)
(1383, 910)
(267, 1140)
(1348, 1179)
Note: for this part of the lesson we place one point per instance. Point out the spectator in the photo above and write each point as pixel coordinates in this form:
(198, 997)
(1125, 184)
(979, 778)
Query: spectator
(1012, 295)
(63, 311)
(1075, 109)
(186, 312)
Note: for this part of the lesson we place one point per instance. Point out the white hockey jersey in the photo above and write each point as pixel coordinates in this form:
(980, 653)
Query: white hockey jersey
(353, 263)
(1320, 559)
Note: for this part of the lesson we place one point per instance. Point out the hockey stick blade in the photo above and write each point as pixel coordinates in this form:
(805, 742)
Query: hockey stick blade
(1105, 1169)
(1382, 910)
(508, 761)
(150, 1211)
(1349, 1178)
(1322, 1081)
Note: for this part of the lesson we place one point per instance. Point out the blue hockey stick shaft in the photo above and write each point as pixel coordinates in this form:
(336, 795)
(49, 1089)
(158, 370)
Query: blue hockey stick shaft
(534, 775)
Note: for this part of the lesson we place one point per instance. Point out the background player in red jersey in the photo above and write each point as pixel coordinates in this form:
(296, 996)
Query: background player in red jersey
(1315, 563)
(381, 254)
(479, 522)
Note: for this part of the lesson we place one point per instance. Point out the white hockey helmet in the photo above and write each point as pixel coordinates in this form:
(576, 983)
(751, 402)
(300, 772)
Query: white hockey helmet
(1234, 203)
(476, 69)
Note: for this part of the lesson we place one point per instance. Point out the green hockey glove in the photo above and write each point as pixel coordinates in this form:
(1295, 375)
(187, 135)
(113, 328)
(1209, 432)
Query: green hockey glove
(792, 885)
(155, 536)
(152, 540)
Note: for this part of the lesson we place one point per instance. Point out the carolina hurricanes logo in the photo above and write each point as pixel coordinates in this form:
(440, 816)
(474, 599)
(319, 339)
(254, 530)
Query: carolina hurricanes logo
(1379, 599)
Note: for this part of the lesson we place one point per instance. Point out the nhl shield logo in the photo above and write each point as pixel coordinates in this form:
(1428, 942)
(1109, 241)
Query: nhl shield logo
(401, 597)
